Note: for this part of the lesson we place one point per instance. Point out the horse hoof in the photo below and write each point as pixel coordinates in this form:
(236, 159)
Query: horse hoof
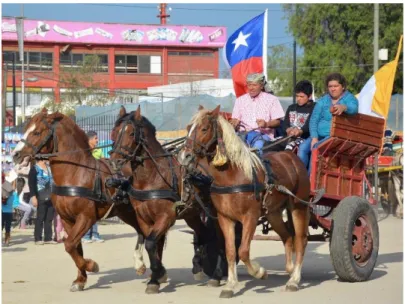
(152, 289)
(95, 268)
(199, 276)
(213, 283)
(264, 276)
(291, 287)
(163, 279)
(76, 287)
(141, 271)
(226, 294)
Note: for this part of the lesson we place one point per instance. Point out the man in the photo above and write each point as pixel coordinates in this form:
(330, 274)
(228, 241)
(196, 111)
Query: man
(258, 112)
(92, 235)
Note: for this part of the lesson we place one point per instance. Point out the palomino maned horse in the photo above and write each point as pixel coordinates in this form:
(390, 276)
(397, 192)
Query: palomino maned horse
(79, 179)
(153, 192)
(243, 190)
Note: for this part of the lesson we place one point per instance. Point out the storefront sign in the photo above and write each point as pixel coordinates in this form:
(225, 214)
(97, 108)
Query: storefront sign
(124, 34)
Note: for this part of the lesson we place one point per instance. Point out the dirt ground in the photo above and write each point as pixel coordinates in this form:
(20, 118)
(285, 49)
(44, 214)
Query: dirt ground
(43, 274)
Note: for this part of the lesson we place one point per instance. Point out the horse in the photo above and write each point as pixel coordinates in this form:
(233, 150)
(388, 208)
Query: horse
(245, 188)
(79, 194)
(153, 192)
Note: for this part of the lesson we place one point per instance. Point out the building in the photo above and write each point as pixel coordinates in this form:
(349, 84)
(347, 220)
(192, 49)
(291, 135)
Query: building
(132, 57)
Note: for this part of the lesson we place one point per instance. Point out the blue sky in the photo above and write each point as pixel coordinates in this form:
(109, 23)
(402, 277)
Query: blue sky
(231, 16)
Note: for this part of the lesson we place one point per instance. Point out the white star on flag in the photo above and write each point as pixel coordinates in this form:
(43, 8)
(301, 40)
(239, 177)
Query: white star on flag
(241, 40)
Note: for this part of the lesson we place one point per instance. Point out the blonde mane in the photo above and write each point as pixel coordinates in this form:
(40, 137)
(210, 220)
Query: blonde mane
(237, 151)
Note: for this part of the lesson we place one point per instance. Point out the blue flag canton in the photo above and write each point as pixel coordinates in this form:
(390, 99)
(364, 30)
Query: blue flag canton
(246, 42)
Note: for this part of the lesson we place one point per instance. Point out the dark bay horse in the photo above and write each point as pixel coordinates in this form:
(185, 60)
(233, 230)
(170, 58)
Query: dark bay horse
(154, 190)
(211, 138)
(79, 179)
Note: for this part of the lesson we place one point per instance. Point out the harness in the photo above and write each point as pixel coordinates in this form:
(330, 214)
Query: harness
(95, 194)
(131, 155)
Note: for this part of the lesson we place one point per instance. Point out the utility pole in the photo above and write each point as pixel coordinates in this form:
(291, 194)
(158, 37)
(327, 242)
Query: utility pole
(294, 69)
(14, 92)
(4, 102)
(376, 32)
(294, 61)
(163, 16)
(22, 70)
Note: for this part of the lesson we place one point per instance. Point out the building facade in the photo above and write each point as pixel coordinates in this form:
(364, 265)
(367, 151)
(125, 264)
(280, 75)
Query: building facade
(131, 57)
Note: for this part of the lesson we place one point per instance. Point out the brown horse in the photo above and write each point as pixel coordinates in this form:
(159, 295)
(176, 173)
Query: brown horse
(154, 191)
(244, 189)
(79, 179)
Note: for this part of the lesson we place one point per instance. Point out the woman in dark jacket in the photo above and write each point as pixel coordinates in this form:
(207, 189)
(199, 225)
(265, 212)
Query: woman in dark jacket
(39, 180)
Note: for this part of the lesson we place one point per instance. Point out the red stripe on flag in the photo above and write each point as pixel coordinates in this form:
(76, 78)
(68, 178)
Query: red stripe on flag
(241, 70)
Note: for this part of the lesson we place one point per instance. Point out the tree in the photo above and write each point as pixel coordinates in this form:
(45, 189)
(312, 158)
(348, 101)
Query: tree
(280, 70)
(339, 38)
(82, 87)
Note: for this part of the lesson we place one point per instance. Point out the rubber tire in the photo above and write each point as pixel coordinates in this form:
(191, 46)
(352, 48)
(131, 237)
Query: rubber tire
(343, 218)
(212, 251)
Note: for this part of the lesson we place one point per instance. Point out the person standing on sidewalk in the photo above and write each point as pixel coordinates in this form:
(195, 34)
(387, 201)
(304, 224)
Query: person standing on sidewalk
(39, 180)
(92, 235)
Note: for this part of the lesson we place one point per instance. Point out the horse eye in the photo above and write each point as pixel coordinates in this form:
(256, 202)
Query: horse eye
(204, 129)
(36, 133)
(132, 134)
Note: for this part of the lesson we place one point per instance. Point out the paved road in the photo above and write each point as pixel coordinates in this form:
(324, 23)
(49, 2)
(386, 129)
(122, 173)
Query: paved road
(43, 274)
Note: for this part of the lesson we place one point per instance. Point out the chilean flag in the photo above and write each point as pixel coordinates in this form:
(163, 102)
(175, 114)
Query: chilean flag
(245, 52)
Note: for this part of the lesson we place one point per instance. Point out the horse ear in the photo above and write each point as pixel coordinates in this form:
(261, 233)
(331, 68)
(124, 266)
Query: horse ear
(215, 112)
(123, 111)
(44, 111)
(137, 113)
(200, 107)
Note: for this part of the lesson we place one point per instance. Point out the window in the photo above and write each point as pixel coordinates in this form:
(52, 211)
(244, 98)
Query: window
(31, 98)
(137, 64)
(33, 61)
(184, 53)
(73, 60)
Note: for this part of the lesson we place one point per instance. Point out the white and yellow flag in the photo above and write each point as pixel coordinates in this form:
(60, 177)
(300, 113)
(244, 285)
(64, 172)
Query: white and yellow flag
(374, 98)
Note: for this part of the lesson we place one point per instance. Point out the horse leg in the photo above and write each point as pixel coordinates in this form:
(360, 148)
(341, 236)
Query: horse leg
(131, 219)
(139, 264)
(151, 245)
(73, 246)
(194, 222)
(228, 229)
(254, 269)
(300, 216)
(278, 225)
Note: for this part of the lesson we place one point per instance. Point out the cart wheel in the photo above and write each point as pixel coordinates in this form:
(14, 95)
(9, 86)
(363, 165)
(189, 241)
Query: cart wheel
(355, 239)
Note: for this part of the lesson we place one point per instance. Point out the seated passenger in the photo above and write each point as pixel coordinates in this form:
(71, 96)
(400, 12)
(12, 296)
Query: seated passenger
(296, 121)
(337, 101)
(258, 112)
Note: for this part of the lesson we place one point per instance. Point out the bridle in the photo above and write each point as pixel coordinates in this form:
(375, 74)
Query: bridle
(200, 148)
(126, 151)
(51, 133)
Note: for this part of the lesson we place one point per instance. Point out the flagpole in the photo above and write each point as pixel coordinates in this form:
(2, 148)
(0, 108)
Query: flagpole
(265, 44)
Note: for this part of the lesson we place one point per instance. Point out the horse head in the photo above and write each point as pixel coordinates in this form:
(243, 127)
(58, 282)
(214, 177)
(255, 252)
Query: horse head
(205, 138)
(131, 134)
(39, 137)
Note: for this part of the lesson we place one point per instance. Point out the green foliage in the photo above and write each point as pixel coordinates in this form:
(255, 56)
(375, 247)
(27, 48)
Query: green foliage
(279, 69)
(339, 38)
(82, 87)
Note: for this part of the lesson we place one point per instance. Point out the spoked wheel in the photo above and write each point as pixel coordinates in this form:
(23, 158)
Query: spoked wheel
(355, 239)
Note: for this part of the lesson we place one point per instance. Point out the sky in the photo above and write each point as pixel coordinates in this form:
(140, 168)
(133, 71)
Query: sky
(232, 16)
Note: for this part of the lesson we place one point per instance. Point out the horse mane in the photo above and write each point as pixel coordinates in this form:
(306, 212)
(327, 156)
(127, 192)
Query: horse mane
(71, 127)
(145, 121)
(237, 151)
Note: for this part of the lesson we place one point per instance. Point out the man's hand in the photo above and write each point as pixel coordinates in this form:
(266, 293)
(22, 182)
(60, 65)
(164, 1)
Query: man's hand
(338, 109)
(297, 132)
(234, 122)
(35, 201)
(261, 123)
(313, 142)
